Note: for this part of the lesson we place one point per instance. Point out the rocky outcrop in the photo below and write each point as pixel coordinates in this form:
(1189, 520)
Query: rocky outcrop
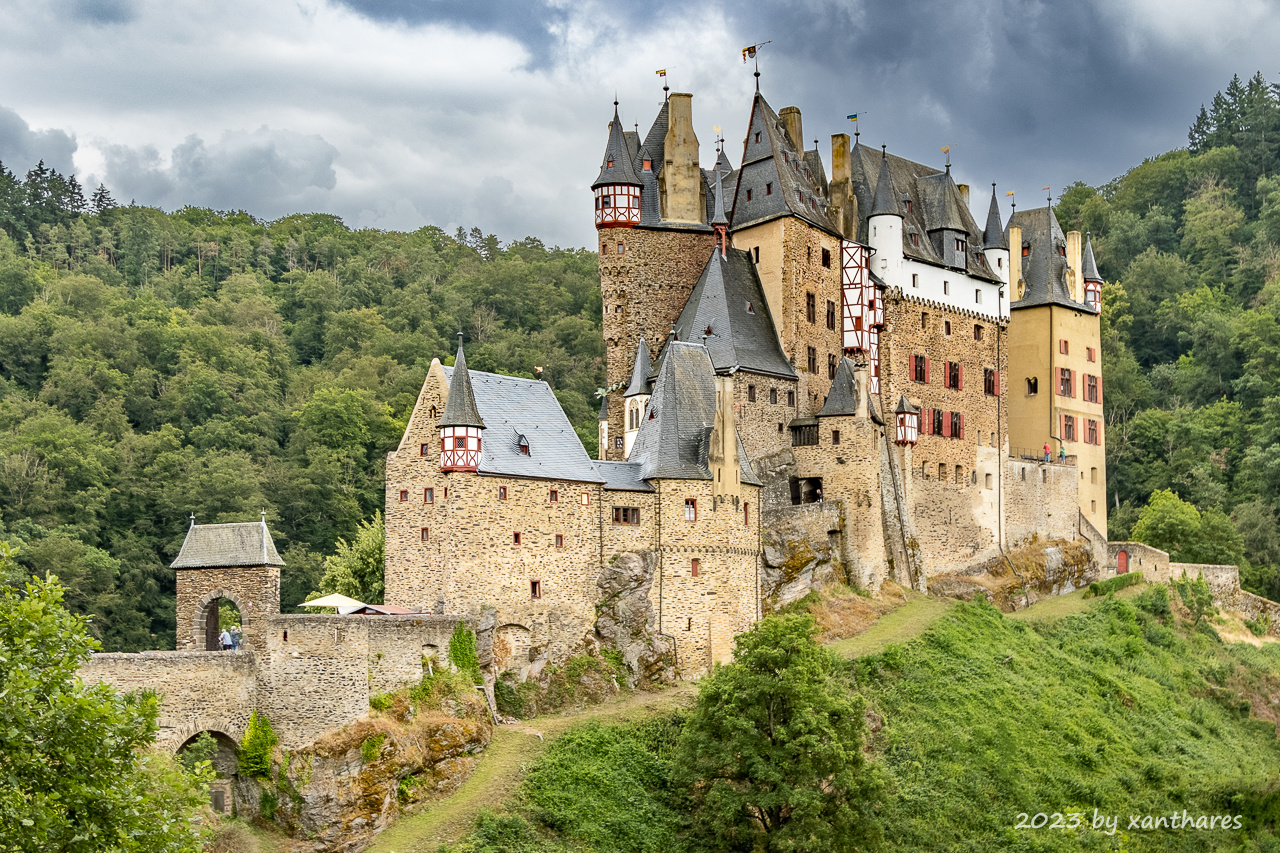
(350, 784)
(800, 554)
(1023, 576)
(625, 619)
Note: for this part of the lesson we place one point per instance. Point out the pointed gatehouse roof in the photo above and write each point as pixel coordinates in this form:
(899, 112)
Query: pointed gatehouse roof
(460, 410)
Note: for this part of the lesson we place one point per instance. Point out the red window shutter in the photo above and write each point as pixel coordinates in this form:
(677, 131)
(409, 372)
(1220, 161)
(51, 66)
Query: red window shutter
(926, 416)
(926, 370)
(913, 368)
(946, 374)
(1099, 390)
(946, 425)
(1062, 426)
(962, 425)
(1073, 384)
(997, 373)
(960, 384)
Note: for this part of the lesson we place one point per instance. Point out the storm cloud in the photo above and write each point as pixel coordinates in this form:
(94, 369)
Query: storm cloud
(492, 113)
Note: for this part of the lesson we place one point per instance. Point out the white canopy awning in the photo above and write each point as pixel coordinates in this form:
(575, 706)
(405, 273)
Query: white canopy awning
(334, 600)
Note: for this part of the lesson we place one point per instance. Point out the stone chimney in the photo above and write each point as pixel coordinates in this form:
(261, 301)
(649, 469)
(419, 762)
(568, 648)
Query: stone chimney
(1075, 257)
(722, 454)
(1015, 263)
(682, 193)
(791, 120)
(844, 203)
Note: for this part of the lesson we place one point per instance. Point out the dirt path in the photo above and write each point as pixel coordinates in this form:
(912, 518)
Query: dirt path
(502, 765)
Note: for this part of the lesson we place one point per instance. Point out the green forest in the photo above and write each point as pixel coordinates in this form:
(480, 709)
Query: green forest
(155, 366)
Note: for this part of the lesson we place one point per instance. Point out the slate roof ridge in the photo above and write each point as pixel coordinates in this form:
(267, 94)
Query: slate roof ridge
(460, 408)
(740, 339)
(993, 236)
(243, 543)
(513, 406)
(1044, 271)
(942, 203)
(619, 153)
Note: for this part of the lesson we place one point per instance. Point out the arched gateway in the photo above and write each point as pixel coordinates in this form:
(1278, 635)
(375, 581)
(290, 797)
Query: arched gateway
(236, 562)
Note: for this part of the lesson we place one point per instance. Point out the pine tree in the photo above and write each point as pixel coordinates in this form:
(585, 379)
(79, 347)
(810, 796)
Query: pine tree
(102, 200)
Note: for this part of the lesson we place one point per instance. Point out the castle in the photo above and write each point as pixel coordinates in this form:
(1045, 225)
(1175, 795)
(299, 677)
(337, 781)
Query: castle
(807, 377)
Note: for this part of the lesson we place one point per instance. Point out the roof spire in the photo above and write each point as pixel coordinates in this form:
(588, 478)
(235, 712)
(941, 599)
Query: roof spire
(1088, 266)
(460, 409)
(193, 519)
(640, 371)
(885, 201)
(993, 236)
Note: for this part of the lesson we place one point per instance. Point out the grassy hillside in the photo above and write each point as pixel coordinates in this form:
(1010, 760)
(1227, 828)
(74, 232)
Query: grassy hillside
(1120, 709)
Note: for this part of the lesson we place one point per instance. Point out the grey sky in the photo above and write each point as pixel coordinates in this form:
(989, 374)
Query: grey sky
(492, 113)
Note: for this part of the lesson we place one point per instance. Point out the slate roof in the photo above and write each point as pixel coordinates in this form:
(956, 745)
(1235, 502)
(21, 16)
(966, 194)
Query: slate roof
(620, 154)
(673, 443)
(212, 546)
(993, 235)
(460, 410)
(640, 371)
(604, 408)
(717, 211)
(935, 204)
(843, 397)
(797, 188)
(1044, 270)
(905, 407)
(622, 476)
(1089, 267)
(740, 339)
(513, 408)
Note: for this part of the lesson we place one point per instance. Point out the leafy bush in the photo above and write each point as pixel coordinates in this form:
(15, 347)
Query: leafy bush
(200, 750)
(372, 746)
(259, 743)
(1110, 585)
(462, 652)
(268, 805)
(380, 702)
(510, 700)
(1197, 597)
(1154, 600)
(1260, 626)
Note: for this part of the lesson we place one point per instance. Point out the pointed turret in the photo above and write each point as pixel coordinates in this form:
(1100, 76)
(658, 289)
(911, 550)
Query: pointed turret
(720, 222)
(885, 202)
(993, 237)
(460, 424)
(884, 228)
(1092, 279)
(640, 371)
(908, 422)
(617, 188)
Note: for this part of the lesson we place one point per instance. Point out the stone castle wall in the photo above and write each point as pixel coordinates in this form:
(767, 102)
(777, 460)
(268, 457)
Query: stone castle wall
(704, 612)
(643, 290)
(1040, 500)
(762, 425)
(200, 691)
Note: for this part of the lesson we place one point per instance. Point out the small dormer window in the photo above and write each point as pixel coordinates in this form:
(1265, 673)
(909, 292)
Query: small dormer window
(960, 245)
(757, 136)
(751, 309)
(1026, 250)
(915, 239)
(610, 166)
(648, 165)
(768, 189)
(908, 205)
(748, 194)
(522, 445)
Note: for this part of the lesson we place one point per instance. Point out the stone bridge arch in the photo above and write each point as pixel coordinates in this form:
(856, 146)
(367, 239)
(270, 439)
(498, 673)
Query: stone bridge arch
(225, 762)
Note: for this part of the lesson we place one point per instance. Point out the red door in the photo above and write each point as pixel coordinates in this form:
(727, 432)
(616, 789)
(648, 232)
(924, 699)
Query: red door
(1122, 562)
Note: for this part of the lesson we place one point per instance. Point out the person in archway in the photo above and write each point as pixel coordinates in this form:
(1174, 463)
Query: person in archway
(236, 634)
(224, 639)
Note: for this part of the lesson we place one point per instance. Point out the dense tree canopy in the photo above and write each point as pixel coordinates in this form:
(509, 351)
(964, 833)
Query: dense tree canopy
(156, 365)
(1189, 243)
(78, 776)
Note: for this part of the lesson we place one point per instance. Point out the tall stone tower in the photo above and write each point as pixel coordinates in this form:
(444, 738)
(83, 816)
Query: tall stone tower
(651, 216)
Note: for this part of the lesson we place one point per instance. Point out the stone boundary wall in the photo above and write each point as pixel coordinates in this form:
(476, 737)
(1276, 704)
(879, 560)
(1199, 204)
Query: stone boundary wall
(310, 673)
(213, 691)
(1255, 606)
(1223, 580)
(1152, 562)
